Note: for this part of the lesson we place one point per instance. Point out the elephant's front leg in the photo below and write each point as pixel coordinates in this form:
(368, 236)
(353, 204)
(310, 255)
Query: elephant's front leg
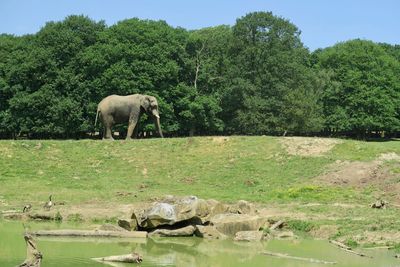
(133, 120)
(136, 131)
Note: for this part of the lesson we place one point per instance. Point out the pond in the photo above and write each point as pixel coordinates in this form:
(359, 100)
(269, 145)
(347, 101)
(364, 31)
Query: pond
(182, 251)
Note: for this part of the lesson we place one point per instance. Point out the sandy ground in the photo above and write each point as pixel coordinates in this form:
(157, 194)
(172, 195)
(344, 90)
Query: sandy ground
(308, 146)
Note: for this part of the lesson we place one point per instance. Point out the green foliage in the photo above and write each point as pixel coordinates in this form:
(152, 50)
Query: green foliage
(58, 217)
(351, 242)
(300, 225)
(75, 217)
(273, 86)
(253, 78)
(365, 95)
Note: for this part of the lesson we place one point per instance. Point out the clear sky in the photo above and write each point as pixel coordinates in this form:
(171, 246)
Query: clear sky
(322, 22)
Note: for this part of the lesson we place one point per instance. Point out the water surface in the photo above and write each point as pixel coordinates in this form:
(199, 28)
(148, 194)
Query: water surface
(77, 252)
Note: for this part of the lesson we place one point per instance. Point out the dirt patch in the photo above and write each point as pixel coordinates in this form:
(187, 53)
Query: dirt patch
(358, 174)
(376, 237)
(95, 211)
(361, 174)
(324, 231)
(220, 139)
(308, 146)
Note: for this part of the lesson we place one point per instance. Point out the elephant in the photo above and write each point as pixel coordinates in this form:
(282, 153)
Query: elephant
(119, 109)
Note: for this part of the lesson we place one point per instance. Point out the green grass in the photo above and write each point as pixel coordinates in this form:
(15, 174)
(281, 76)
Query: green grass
(252, 168)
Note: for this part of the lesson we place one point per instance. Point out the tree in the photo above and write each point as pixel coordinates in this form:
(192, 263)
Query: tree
(273, 66)
(368, 97)
(206, 64)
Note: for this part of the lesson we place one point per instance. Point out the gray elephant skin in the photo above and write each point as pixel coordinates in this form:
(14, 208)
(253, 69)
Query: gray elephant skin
(121, 109)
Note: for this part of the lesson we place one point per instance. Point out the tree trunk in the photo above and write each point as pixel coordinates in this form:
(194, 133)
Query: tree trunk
(89, 233)
(33, 256)
(129, 258)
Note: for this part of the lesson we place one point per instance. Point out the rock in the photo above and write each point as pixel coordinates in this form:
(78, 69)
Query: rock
(379, 204)
(128, 224)
(176, 210)
(111, 227)
(243, 207)
(230, 224)
(249, 236)
(184, 231)
(209, 232)
(285, 235)
(217, 207)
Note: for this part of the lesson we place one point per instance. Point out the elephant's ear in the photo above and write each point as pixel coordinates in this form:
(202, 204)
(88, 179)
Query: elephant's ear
(145, 103)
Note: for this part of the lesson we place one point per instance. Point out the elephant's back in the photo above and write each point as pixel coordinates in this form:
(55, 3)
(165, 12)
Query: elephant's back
(115, 102)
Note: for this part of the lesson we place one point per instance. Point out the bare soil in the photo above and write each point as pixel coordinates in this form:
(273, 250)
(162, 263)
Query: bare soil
(360, 174)
(308, 146)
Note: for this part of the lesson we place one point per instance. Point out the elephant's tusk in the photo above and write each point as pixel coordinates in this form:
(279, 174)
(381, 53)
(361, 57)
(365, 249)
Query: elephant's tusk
(157, 116)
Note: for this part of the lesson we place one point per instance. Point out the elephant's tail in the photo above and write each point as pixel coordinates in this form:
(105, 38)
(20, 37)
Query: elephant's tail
(97, 115)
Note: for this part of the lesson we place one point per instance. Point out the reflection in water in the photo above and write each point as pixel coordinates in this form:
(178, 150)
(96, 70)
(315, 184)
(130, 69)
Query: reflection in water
(188, 252)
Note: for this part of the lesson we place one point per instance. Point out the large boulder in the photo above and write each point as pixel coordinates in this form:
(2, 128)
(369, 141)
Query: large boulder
(184, 231)
(242, 207)
(208, 232)
(249, 236)
(230, 224)
(128, 224)
(173, 210)
(217, 207)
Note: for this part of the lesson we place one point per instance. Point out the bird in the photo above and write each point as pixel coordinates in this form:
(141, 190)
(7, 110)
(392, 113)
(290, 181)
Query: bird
(48, 204)
(27, 208)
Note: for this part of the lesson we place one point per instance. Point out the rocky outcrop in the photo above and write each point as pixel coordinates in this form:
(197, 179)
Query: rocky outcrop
(209, 232)
(172, 211)
(249, 236)
(243, 207)
(184, 231)
(185, 216)
(128, 224)
(230, 224)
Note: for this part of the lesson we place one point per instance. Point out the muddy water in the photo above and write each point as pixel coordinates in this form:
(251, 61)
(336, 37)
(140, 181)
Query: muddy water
(184, 252)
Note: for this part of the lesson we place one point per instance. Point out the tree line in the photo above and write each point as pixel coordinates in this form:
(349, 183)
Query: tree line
(255, 77)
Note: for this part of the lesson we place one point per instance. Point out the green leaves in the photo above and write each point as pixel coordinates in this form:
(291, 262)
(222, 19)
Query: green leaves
(277, 93)
(253, 78)
(367, 95)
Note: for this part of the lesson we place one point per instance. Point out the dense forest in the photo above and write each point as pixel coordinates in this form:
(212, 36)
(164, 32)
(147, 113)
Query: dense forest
(255, 77)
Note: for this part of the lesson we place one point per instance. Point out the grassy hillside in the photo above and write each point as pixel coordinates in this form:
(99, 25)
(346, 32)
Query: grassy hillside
(253, 168)
(320, 186)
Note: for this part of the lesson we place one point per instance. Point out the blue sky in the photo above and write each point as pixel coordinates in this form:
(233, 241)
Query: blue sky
(322, 22)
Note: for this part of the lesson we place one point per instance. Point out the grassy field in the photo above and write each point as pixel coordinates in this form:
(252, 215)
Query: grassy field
(258, 169)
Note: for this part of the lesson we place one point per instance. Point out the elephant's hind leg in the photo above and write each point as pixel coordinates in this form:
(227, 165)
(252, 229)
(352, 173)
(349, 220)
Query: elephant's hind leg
(108, 123)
